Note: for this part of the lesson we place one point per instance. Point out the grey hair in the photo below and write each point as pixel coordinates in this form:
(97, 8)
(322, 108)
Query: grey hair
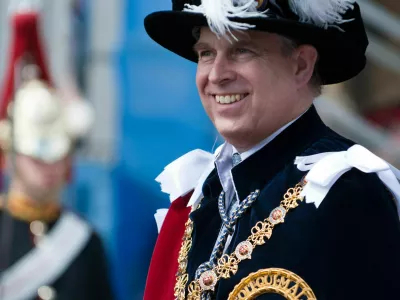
(196, 32)
(288, 46)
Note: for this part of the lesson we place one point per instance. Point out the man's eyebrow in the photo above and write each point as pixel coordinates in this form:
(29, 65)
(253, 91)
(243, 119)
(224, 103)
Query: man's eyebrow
(245, 43)
(240, 43)
(199, 46)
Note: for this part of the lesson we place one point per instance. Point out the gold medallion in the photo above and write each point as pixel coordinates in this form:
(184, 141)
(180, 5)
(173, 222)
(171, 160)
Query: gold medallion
(243, 250)
(277, 215)
(208, 280)
(272, 281)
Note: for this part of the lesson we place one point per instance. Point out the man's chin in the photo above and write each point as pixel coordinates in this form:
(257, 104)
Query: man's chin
(234, 134)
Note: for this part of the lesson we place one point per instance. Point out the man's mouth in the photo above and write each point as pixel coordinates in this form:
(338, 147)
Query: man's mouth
(229, 98)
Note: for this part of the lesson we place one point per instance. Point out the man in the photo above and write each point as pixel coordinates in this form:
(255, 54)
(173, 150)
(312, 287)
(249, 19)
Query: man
(285, 207)
(47, 252)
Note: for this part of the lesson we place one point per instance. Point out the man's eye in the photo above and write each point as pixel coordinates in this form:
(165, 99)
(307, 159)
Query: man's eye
(242, 51)
(204, 53)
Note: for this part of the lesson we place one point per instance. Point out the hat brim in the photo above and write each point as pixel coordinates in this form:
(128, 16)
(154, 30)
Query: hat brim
(340, 58)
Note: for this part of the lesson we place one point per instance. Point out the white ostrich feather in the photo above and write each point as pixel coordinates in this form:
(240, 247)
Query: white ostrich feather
(218, 13)
(322, 13)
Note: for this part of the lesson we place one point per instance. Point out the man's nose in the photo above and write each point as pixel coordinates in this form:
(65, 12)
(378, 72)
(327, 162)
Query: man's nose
(222, 71)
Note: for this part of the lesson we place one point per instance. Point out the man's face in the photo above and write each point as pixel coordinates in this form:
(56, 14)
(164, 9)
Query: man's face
(247, 87)
(39, 178)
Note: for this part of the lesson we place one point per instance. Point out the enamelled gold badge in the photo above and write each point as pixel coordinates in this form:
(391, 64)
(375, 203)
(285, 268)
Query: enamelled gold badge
(272, 281)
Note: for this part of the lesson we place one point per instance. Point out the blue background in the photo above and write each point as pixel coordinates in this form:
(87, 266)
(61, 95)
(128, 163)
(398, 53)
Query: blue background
(160, 118)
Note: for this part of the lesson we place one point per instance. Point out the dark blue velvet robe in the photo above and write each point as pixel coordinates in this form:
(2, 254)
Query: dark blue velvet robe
(347, 249)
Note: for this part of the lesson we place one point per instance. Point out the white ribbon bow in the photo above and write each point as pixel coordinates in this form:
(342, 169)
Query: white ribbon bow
(326, 168)
(184, 174)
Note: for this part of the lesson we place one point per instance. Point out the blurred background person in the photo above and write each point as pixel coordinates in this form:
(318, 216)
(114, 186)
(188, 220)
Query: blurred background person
(47, 251)
(103, 44)
(52, 253)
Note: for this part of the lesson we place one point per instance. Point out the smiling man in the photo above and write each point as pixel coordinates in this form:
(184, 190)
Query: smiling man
(248, 87)
(285, 207)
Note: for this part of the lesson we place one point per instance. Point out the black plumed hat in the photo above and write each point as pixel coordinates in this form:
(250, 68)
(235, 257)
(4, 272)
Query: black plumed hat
(334, 27)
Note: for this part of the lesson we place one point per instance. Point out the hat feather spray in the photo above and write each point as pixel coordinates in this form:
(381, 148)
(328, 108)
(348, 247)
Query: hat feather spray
(219, 12)
(322, 13)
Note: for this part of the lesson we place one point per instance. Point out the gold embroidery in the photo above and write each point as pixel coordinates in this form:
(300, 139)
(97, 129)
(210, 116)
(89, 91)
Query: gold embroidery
(194, 291)
(182, 276)
(272, 281)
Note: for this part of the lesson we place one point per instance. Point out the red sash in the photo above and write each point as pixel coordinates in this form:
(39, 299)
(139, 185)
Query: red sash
(164, 262)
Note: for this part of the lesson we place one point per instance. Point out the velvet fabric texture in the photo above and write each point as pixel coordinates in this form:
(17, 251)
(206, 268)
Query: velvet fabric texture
(346, 249)
(341, 51)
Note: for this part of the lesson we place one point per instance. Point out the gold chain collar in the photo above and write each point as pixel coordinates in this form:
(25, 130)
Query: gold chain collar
(228, 264)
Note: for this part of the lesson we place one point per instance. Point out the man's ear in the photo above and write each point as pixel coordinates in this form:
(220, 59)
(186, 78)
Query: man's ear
(305, 57)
